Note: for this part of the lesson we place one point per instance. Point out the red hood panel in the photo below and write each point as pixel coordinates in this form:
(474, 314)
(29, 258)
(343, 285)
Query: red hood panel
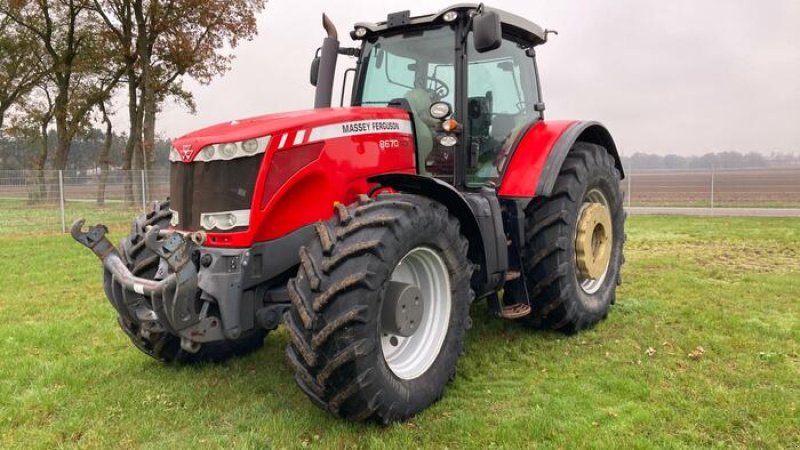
(272, 124)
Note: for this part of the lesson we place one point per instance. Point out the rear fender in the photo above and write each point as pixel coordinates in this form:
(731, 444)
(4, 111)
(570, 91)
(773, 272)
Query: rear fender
(537, 160)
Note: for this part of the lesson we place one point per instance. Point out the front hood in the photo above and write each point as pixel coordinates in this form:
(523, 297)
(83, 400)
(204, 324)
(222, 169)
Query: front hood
(189, 145)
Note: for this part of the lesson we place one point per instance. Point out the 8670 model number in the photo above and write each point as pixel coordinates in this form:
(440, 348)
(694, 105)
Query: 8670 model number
(389, 143)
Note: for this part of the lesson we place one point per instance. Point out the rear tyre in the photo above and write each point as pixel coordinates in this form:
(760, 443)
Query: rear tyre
(380, 306)
(164, 346)
(575, 243)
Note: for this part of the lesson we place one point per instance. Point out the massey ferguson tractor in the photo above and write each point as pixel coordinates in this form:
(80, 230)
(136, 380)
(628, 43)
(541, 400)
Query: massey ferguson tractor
(369, 230)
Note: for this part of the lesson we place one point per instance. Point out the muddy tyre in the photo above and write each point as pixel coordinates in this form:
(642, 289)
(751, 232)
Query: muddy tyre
(575, 243)
(164, 346)
(380, 307)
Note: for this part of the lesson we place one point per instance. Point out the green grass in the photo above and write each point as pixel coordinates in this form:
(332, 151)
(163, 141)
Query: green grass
(70, 378)
(20, 216)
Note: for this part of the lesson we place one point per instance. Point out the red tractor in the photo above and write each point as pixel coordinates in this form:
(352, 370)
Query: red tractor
(369, 230)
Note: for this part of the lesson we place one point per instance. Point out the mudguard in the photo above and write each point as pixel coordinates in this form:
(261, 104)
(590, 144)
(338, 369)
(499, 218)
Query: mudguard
(480, 218)
(537, 158)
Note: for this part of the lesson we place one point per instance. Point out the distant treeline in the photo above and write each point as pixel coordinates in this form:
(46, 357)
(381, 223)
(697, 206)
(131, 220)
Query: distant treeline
(720, 160)
(19, 154)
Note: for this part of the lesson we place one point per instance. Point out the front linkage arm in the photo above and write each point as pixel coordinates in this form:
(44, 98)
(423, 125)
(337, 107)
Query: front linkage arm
(172, 299)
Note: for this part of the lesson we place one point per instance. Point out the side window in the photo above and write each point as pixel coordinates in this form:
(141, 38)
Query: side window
(502, 95)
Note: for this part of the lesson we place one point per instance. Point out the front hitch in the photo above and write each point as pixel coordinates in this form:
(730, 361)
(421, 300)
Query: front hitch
(171, 305)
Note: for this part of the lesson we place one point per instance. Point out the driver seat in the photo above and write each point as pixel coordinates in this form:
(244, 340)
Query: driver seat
(420, 101)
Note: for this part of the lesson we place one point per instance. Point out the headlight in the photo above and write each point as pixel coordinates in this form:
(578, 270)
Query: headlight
(225, 220)
(440, 110)
(448, 141)
(232, 150)
(228, 150)
(250, 146)
(450, 16)
(207, 153)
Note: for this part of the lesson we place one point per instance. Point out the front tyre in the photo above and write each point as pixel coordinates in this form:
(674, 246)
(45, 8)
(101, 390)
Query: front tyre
(575, 242)
(380, 306)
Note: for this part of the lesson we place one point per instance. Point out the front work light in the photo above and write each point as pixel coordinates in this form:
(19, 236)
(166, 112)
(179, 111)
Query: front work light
(233, 150)
(440, 110)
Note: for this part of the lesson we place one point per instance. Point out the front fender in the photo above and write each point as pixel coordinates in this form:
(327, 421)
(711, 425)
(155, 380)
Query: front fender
(479, 218)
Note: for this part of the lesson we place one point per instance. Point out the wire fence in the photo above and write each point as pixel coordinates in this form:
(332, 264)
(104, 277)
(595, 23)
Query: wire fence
(50, 200)
(46, 201)
(776, 187)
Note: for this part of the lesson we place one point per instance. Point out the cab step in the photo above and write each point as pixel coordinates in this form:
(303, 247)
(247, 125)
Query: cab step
(517, 311)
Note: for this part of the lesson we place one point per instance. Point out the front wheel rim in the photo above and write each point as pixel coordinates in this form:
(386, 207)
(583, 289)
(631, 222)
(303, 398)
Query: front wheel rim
(410, 357)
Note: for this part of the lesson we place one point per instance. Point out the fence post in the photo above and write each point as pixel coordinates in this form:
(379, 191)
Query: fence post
(630, 176)
(712, 186)
(144, 196)
(61, 197)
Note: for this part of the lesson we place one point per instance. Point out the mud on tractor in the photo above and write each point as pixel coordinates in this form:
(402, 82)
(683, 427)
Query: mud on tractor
(369, 230)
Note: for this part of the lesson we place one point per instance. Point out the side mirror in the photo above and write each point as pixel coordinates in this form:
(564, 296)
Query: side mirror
(487, 32)
(314, 71)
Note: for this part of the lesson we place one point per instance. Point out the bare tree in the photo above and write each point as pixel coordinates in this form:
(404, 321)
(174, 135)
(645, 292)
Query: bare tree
(118, 18)
(160, 41)
(75, 53)
(19, 68)
(32, 125)
(104, 155)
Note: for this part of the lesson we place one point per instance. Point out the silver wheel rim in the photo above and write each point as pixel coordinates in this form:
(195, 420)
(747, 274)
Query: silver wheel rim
(410, 357)
(589, 285)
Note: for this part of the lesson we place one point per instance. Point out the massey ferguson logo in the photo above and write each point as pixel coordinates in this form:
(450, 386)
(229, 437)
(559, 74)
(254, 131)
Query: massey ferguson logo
(186, 152)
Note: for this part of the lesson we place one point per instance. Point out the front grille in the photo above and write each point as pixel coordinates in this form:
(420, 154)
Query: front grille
(207, 187)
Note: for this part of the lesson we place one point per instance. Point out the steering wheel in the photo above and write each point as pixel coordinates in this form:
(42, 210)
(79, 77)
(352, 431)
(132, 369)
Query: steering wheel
(438, 88)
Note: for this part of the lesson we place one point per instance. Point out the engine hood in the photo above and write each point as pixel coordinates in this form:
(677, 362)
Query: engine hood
(189, 145)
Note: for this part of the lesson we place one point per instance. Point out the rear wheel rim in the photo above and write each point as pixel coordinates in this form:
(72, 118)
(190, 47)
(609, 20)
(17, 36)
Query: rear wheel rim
(588, 284)
(410, 357)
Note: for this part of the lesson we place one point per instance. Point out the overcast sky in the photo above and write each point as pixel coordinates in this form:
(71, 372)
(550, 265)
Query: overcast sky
(678, 76)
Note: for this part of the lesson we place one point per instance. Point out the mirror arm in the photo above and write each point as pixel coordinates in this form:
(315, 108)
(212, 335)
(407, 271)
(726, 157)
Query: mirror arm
(350, 51)
(472, 14)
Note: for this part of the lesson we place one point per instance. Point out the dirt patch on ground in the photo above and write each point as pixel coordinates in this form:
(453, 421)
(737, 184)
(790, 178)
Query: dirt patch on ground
(735, 255)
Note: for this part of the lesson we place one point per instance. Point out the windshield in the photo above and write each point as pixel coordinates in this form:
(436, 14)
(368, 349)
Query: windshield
(395, 65)
(417, 67)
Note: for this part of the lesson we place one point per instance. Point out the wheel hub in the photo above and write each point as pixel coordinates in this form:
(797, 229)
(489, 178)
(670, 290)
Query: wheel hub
(416, 313)
(402, 308)
(593, 241)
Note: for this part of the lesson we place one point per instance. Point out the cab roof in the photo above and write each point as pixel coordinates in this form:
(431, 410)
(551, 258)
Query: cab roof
(513, 24)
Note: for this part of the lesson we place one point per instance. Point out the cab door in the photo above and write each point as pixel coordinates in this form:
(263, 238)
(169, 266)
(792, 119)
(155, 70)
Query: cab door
(502, 99)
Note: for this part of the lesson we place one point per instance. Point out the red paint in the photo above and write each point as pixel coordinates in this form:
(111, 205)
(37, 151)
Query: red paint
(522, 173)
(337, 174)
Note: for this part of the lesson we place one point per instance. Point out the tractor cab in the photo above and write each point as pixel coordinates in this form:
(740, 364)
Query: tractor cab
(468, 77)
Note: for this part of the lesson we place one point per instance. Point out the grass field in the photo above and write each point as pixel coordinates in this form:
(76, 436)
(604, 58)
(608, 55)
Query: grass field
(40, 218)
(702, 349)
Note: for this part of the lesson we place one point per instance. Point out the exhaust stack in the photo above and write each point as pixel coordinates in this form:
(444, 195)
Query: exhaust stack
(327, 65)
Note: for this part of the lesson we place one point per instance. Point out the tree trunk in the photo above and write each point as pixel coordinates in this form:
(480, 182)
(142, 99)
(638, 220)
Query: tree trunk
(135, 114)
(102, 159)
(62, 140)
(62, 126)
(148, 129)
(39, 192)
